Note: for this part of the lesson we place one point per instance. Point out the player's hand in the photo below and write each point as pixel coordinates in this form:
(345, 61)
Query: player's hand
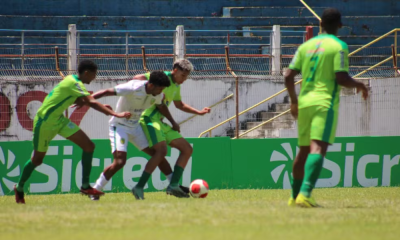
(176, 127)
(205, 111)
(126, 115)
(363, 89)
(294, 110)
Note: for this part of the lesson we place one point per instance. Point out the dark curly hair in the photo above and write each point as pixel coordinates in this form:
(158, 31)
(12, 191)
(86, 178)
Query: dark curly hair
(87, 65)
(159, 78)
(331, 19)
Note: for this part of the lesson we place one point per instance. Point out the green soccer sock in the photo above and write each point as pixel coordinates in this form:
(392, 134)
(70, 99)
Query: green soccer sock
(26, 173)
(86, 168)
(312, 170)
(176, 176)
(296, 185)
(143, 179)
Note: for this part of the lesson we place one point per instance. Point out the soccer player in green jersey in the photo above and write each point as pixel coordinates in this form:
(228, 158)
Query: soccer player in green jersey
(160, 133)
(50, 121)
(324, 65)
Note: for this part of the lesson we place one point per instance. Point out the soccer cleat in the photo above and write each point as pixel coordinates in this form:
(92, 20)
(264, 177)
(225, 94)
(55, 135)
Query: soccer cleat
(91, 191)
(292, 202)
(177, 192)
(185, 189)
(19, 196)
(138, 193)
(303, 201)
(94, 197)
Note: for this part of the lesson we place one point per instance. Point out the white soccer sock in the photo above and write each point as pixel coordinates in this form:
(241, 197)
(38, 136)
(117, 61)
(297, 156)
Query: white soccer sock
(169, 177)
(101, 182)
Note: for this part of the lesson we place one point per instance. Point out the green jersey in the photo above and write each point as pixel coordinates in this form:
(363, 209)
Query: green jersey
(318, 60)
(61, 97)
(171, 93)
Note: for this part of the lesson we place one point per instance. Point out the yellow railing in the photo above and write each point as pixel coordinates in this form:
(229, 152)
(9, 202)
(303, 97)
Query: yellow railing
(254, 106)
(298, 82)
(215, 104)
(315, 15)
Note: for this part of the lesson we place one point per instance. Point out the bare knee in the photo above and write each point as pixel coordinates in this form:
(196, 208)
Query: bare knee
(119, 159)
(160, 149)
(89, 147)
(119, 163)
(187, 149)
(37, 158)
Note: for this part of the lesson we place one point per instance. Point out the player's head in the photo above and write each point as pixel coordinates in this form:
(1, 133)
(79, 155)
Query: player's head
(181, 70)
(331, 20)
(87, 71)
(157, 82)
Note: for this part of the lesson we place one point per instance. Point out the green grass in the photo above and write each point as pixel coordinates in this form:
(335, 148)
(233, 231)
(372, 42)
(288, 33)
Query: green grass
(349, 213)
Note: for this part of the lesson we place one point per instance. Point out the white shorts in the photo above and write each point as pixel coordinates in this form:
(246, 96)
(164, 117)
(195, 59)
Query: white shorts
(120, 135)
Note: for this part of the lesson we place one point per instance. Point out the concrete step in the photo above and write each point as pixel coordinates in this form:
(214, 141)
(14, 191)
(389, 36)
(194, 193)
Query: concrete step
(250, 125)
(268, 115)
(183, 7)
(269, 11)
(301, 11)
(344, 31)
(272, 133)
(283, 124)
(252, 134)
(281, 107)
(360, 25)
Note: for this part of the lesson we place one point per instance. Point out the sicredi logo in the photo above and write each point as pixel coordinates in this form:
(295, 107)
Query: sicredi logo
(8, 172)
(343, 167)
(286, 158)
(68, 174)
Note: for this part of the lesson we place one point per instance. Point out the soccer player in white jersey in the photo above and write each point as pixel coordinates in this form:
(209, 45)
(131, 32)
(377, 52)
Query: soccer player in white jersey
(135, 97)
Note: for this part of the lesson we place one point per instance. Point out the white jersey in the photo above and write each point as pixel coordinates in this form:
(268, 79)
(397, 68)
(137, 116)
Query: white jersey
(135, 100)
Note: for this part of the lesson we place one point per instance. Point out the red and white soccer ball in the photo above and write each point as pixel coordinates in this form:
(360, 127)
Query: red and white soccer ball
(199, 188)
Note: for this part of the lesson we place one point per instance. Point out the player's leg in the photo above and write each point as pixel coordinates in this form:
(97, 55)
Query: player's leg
(42, 135)
(119, 147)
(323, 129)
(73, 133)
(160, 153)
(298, 172)
(165, 168)
(303, 126)
(186, 151)
(175, 140)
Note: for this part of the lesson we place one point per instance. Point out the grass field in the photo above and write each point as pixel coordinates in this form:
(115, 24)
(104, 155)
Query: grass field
(352, 213)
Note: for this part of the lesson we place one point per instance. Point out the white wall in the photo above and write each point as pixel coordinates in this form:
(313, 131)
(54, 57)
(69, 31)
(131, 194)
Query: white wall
(197, 93)
(379, 115)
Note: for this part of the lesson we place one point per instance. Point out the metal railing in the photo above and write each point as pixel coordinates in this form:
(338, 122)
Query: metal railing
(313, 13)
(393, 57)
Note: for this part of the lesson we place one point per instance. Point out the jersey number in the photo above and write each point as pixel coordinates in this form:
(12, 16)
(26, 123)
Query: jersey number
(315, 60)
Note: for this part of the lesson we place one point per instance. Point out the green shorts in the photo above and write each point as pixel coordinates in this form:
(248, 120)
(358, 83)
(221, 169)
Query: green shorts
(44, 131)
(157, 131)
(317, 123)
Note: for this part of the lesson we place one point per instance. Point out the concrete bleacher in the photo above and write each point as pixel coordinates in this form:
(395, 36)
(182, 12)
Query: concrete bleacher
(210, 15)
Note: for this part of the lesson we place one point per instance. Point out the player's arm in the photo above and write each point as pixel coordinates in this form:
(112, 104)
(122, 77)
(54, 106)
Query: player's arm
(341, 67)
(90, 101)
(165, 111)
(140, 77)
(104, 93)
(294, 69)
(99, 94)
(289, 84)
(186, 108)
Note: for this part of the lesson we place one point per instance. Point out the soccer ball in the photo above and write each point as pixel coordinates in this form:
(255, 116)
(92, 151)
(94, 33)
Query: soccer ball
(199, 188)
